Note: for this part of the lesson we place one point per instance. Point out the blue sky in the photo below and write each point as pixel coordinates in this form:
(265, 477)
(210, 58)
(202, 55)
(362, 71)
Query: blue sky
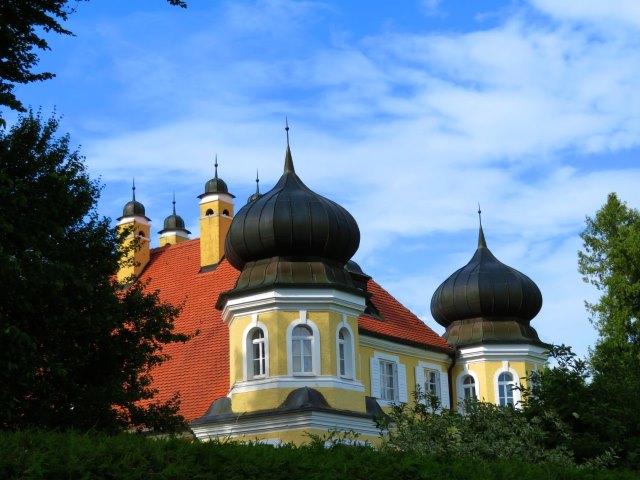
(408, 113)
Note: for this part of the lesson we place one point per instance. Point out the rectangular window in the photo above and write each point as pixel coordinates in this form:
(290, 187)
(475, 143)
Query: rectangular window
(431, 382)
(388, 380)
(342, 359)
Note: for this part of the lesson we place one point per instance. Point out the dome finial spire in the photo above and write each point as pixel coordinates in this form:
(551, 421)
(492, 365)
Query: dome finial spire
(288, 160)
(481, 241)
(174, 203)
(257, 183)
(216, 167)
(133, 189)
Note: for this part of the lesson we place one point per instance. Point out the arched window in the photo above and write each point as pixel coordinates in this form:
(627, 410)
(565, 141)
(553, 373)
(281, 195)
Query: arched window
(208, 213)
(345, 354)
(258, 357)
(469, 387)
(505, 389)
(302, 350)
(225, 212)
(141, 234)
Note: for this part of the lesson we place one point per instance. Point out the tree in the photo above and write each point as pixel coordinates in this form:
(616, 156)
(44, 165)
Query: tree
(22, 24)
(611, 262)
(76, 349)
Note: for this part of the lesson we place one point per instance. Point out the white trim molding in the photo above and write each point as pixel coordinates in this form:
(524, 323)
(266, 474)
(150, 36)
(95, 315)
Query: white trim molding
(401, 349)
(296, 382)
(212, 197)
(460, 386)
(399, 375)
(253, 425)
(245, 354)
(501, 352)
(294, 299)
(441, 379)
(134, 218)
(517, 397)
(315, 346)
(350, 362)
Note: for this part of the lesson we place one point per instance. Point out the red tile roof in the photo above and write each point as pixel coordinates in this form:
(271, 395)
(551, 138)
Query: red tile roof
(199, 368)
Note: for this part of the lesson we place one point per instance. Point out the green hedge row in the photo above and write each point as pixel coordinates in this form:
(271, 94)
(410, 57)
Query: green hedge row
(52, 456)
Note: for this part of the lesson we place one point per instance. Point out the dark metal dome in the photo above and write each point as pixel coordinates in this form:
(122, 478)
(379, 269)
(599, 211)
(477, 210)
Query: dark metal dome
(488, 290)
(174, 222)
(215, 185)
(133, 207)
(291, 221)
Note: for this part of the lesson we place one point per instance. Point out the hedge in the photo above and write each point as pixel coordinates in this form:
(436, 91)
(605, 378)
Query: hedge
(52, 456)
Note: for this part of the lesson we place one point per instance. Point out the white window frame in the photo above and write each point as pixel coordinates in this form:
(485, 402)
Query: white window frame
(516, 385)
(442, 382)
(400, 376)
(468, 386)
(315, 346)
(247, 350)
(349, 360)
(460, 386)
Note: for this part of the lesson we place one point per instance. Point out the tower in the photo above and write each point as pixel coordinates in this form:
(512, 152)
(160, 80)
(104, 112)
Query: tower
(216, 214)
(486, 308)
(136, 244)
(292, 317)
(174, 230)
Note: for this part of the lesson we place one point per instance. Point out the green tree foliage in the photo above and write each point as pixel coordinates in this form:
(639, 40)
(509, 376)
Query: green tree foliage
(23, 28)
(610, 260)
(484, 432)
(75, 348)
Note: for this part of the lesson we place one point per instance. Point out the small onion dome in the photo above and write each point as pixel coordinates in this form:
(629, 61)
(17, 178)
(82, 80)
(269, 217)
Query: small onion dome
(133, 208)
(486, 289)
(291, 221)
(215, 185)
(174, 222)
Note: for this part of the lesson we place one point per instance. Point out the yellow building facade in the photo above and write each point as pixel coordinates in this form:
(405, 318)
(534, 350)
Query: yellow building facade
(303, 341)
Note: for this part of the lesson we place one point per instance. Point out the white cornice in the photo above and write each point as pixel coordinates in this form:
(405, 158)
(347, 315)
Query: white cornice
(296, 382)
(500, 352)
(401, 349)
(212, 197)
(134, 218)
(294, 299)
(254, 425)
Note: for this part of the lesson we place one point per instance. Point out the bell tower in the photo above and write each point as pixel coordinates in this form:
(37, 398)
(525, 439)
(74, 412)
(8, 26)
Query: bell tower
(216, 214)
(136, 244)
(174, 230)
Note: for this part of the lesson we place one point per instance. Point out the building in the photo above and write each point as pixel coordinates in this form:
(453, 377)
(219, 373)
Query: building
(294, 338)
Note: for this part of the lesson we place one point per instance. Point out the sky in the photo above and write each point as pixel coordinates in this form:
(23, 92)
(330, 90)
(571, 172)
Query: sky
(407, 113)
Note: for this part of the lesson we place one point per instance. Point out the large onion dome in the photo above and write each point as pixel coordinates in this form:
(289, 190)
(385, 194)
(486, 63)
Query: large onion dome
(487, 301)
(291, 221)
(291, 237)
(215, 185)
(133, 208)
(174, 222)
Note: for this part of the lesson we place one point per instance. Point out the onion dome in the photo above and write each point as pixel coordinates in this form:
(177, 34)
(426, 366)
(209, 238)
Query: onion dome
(256, 195)
(291, 237)
(133, 208)
(215, 185)
(174, 222)
(486, 301)
(291, 221)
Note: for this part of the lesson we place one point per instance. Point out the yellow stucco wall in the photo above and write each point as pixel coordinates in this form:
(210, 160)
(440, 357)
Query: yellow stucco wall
(141, 255)
(213, 230)
(171, 239)
(486, 373)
